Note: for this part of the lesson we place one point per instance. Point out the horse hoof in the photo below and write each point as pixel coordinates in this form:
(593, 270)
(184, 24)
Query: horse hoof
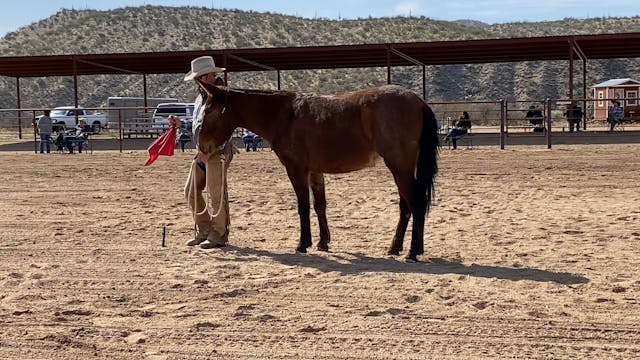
(323, 247)
(393, 252)
(301, 250)
(411, 259)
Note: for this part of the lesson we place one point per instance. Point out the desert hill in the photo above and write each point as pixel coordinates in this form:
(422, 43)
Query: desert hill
(158, 28)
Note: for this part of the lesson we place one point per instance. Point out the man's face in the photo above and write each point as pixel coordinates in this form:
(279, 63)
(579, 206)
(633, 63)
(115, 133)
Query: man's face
(208, 78)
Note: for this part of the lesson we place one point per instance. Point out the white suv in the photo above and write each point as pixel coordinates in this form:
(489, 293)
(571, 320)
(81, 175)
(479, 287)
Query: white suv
(182, 110)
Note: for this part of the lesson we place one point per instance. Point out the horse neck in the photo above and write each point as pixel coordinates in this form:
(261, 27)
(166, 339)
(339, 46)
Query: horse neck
(257, 112)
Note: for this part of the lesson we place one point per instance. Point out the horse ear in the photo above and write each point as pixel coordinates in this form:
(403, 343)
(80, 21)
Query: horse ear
(209, 88)
(206, 87)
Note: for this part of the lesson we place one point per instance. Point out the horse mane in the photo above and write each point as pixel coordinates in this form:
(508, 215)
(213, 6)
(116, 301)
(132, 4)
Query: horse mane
(288, 93)
(260, 92)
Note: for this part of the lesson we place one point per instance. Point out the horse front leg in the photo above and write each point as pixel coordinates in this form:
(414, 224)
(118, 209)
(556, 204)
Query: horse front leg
(401, 228)
(300, 180)
(320, 206)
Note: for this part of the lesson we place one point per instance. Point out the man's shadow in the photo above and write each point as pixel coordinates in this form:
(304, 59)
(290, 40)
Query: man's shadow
(357, 263)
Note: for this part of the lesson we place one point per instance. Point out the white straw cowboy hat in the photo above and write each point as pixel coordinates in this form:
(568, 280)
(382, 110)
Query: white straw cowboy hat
(201, 66)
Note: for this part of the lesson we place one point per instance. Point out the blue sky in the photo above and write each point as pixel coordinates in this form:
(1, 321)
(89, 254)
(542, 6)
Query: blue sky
(16, 14)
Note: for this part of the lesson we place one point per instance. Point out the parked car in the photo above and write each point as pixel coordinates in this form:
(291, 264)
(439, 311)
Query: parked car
(182, 110)
(130, 109)
(64, 117)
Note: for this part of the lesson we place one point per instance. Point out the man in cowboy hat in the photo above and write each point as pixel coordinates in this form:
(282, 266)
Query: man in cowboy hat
(212, 230)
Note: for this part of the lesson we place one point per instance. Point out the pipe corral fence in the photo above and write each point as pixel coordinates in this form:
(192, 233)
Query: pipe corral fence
(494, 122)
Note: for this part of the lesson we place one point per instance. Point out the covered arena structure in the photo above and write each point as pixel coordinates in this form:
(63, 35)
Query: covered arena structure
(389, 55)
(570, 48)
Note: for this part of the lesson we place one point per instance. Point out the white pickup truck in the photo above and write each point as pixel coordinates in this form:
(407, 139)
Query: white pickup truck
(65, 117)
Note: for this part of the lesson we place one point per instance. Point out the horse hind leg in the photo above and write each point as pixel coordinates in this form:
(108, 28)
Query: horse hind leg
(404, 182)
(419, 211)
(320, 206)
(401, 228)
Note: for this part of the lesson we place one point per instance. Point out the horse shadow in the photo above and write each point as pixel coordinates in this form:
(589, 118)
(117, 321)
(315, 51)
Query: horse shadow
(358, 263)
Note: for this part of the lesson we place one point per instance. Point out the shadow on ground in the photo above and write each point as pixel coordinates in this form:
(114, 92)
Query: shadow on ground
(356, 263)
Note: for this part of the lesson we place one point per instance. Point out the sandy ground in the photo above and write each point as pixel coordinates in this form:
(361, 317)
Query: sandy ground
(530, 253)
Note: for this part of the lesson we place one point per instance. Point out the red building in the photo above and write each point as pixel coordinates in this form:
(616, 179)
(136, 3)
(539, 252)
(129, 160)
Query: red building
(624, 89)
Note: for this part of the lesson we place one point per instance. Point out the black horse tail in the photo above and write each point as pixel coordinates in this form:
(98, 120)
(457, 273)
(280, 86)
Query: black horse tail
(424, 182)
(427, 167)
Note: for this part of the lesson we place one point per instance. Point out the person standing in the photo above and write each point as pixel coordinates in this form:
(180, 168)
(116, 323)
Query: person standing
(574, 116)
(615, 114)
(184, 137)
(577, 116)
(250, 140)
(211, 230)
(45, 127)
(534, 116)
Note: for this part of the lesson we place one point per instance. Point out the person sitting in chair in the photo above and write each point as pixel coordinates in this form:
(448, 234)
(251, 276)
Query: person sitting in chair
(535, 118)
(614, 114)
(460, 129)
(250, 140)
(59, 141)
(78, 136)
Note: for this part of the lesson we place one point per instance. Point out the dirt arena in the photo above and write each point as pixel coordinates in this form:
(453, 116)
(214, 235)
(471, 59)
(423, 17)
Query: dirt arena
(530, 253)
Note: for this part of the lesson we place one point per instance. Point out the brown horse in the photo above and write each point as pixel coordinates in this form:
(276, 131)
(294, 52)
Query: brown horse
(312, 135)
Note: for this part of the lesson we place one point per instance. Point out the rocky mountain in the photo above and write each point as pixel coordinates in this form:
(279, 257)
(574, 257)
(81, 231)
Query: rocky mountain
(157, 28)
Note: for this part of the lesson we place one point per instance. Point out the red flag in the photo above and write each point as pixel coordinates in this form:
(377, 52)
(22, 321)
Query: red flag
(163, 145)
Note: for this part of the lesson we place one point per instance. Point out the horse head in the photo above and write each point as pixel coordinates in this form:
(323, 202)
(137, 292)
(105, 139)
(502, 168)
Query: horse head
(217, 124)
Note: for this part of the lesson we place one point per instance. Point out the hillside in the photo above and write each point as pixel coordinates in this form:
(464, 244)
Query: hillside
(156, 28)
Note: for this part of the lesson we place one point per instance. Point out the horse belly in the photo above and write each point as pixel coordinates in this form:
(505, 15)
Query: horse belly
(342, 158)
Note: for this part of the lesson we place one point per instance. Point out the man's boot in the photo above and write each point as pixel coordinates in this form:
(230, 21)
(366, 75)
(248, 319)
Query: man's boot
(202, 231)
(215, 241)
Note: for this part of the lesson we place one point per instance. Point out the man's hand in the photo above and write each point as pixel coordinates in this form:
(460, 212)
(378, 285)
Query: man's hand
(174, 121)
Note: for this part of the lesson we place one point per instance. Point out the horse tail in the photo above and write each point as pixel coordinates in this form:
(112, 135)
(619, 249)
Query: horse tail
(427, 166)
(426, 170)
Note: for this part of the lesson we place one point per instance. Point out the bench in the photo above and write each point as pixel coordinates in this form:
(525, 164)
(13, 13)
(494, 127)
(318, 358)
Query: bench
(526, 129)
(620, 124)
(86, 144)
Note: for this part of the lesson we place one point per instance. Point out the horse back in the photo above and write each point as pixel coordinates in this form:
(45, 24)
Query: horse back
(347, 132)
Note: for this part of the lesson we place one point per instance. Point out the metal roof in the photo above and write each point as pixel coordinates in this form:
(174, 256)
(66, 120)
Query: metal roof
(618, 82)
(601, 46)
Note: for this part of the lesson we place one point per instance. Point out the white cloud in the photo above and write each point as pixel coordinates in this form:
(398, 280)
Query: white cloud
(407, 8)
(492, 11)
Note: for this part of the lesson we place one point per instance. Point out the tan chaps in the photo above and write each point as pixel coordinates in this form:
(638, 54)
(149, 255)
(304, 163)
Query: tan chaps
(196, 183)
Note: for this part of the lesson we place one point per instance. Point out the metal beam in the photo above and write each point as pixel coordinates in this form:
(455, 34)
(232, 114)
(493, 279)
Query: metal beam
(75, 87)
(144, 91)
(19, 107)
(416, 62)
(405, 56)
(571, 52)
(388, 66)
(581, 54)
(578, 50)
(126, 71)
(250, 62)
(278, 71)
